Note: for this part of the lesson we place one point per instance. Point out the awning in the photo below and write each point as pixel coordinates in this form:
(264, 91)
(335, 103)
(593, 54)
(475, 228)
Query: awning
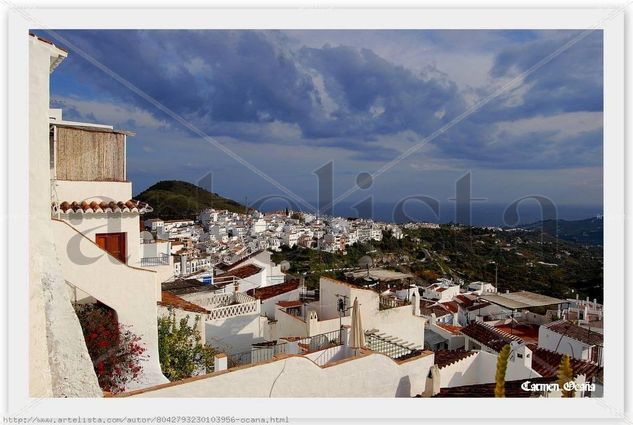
(521, 299)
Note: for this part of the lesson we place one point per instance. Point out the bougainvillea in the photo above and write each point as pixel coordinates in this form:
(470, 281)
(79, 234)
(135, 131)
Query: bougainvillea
(116, 352)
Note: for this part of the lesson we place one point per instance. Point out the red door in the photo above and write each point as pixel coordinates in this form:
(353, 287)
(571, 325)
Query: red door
(113, 243)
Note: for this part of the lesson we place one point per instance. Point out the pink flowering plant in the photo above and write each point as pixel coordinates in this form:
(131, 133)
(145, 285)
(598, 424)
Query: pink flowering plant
(117, 353)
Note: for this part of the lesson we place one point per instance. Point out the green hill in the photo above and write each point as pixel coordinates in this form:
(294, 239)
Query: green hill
(584, 232)
(174, 199)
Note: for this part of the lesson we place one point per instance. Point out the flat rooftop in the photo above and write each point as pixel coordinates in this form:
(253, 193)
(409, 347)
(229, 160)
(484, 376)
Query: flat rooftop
(521, 299)
(380, 275)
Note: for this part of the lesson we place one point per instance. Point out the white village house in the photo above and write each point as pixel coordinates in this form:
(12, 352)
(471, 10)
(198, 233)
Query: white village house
(81, 205)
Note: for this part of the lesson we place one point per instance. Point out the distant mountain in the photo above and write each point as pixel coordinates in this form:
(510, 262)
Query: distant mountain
(173, 199)
(585, 232)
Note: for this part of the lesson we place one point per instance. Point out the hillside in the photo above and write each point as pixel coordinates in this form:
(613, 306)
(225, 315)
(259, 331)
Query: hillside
(584, 232)
(524, 260)
(173, 199)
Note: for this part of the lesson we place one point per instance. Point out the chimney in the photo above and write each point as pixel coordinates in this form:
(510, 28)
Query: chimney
(183, 265)
(435, 380)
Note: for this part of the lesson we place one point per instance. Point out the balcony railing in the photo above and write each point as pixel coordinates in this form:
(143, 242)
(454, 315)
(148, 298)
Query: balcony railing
(321, 341)
(256, 355)
(389, 302)
(390, 346)
(162, 260)
(231, 305)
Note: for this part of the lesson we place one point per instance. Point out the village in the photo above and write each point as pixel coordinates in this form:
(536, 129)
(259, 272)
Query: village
(272, 335)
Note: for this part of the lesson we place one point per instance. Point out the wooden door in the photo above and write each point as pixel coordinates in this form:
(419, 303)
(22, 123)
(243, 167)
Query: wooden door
(113, 243)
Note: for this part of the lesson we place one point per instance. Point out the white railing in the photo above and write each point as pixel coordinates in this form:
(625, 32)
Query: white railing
(231, 305)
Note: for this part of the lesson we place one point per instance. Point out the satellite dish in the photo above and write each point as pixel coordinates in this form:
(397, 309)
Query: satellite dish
(365, 262)
(284, 266)
(147, 236)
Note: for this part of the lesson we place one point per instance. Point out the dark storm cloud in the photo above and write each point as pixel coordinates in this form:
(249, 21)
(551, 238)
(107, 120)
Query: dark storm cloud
(251, 86)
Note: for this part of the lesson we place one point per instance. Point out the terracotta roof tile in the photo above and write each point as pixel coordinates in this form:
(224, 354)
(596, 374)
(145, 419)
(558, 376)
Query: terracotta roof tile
(451, 328)
(437, 309)
(170, 300)
(288, 304)
(267, 292)
(445, 358)
(547, 363)
(85, 207)
(512, 389)
(489, 336)
(576, 332)
(451, 306)
(463, 300)
(241, 272)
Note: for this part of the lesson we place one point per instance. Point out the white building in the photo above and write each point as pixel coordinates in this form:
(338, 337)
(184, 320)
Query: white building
(442, 290)
(94, 228)
(565, 337)
(480, 288)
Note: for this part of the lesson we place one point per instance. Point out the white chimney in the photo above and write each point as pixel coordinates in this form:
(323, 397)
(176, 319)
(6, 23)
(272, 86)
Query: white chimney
(435, 380)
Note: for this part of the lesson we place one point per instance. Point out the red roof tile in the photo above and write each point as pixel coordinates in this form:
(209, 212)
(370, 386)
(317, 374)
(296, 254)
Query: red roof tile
(512, 389)
(241, 272)
(445, 358)
(267, 292)
(85, 207)
(489, 336)
(463, 300)
(288, 304)
(451, 306)
(170, 300)
(547, 363)
(451, 328)
(576, 332)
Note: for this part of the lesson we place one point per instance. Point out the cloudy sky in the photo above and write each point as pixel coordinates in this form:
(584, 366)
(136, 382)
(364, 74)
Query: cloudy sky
(288, 102)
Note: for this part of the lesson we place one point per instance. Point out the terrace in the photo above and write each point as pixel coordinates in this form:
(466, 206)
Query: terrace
(223, 306)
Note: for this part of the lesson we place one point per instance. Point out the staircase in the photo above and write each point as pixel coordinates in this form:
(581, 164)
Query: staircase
(391, 346)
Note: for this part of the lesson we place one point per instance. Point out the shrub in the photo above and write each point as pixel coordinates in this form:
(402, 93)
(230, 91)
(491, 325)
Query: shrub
(500, 376)
(565, 375)
(115, 351)
(180, 349)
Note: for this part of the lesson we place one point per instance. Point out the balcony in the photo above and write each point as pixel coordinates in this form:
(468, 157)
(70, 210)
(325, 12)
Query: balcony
(224, 306)
(387, 302)
(162, 260)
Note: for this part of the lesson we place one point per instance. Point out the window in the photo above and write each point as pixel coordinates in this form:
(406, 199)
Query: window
(114, 244)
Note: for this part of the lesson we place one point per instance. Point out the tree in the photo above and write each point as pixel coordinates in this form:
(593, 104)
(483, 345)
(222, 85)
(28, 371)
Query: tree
(180, 349)
(565, 374)
(500, 376)
(115, 351)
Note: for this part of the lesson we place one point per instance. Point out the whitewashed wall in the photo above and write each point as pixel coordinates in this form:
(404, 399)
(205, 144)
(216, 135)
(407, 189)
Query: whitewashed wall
(91, 224)
(59, 364)
(373, 375)
(563, 344)
(68, 190)
(234, 334)
(131, 292)
(480, 369)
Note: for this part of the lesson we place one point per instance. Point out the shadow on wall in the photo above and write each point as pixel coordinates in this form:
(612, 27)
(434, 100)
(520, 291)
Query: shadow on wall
(235, 334)
(404, 387)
